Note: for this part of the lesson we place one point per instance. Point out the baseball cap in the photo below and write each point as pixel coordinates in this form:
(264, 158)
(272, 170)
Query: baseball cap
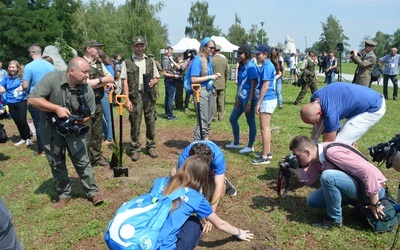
(244, 48)
(262, 48)
(370, 43)
(138, 40)
(93, 43)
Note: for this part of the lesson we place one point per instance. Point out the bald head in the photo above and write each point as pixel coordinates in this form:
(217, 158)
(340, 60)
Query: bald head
(77, 71)
(77, 63)
(311, 113)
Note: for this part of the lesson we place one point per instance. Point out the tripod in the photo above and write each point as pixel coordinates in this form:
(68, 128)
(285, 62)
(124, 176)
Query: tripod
(339, 48)
(340, 66)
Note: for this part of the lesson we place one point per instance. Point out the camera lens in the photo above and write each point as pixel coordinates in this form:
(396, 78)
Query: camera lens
(352, 52)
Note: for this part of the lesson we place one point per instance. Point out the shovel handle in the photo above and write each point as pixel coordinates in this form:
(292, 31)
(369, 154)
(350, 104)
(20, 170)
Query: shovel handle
(120, 100)
(196, 87)
(109, 90)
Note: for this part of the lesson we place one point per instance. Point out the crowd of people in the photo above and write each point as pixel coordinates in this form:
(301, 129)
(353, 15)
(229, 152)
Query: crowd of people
(79, 96)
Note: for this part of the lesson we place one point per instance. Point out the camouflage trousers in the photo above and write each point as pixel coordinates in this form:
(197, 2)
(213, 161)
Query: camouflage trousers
(143, 104)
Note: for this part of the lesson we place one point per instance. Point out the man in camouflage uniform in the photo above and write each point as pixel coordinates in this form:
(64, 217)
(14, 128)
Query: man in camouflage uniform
(308, 77)
(140, 76)
(98, 77)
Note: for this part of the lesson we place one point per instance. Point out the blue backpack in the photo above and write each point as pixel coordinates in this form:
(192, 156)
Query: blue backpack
(137, 223)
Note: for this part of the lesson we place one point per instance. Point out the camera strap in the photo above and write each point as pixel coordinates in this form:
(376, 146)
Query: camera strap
(357, 182)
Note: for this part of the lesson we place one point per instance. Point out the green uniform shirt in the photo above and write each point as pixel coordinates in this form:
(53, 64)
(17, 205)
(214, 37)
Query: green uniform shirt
(54, 88)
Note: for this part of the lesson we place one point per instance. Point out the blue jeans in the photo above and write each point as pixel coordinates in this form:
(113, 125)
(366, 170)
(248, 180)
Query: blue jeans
(251, 121)
(106, 122)
(189, 234)
(170, 90)
(278, 90)
(330, 78)
(35, 114)
(337, 189)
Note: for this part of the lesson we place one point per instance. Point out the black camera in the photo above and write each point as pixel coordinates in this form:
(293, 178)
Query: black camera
(83, 109)
(189, 53)
(67, 127)
(290, 161)
(379, 153)
(282, 185)
(358, 54)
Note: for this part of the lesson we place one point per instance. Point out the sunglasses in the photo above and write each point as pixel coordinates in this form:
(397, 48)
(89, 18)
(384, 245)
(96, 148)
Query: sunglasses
(212, 48)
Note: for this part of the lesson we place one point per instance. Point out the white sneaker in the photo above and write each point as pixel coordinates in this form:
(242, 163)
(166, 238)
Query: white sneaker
(28, 142)
(233, 146)
(246, 150)
(19, 143)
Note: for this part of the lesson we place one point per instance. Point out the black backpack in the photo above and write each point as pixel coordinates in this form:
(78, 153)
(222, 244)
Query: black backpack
(376, 72)
(3, 134)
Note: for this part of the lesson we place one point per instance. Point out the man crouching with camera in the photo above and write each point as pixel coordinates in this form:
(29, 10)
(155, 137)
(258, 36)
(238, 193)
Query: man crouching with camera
(66, 103)
(339, 167)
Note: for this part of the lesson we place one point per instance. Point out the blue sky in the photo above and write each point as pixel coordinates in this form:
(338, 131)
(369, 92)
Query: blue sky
(296, 18)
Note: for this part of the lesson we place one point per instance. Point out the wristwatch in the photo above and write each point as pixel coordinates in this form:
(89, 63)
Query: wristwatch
(100, 80)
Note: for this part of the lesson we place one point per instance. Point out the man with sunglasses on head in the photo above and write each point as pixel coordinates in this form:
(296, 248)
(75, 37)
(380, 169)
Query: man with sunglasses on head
(33, 73)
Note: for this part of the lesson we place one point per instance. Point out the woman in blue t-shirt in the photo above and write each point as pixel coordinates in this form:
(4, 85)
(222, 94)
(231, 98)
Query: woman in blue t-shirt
(11, 87)
(181, 229)
(266, 100)
(201, 72)
(105, 102)
(247, 76)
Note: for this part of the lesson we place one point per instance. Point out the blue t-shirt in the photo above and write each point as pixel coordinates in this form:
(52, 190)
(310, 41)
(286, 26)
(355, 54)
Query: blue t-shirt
(11, 84)
(341, 100)
(196, 66)
(246, 73)
(35, 70)
(192, 202)
(218, 164)
(266, 73)
(110, 69)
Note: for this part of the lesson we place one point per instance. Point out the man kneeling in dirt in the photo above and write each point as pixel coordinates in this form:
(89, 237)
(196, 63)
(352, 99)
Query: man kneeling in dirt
(342, 171)
(219, 184)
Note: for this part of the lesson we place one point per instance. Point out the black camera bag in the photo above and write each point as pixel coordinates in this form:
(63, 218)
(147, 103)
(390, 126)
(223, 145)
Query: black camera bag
(3, 134)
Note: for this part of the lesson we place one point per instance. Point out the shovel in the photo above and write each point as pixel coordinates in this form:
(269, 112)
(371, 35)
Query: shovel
(119, 171)
(196, 87)
(114, 157)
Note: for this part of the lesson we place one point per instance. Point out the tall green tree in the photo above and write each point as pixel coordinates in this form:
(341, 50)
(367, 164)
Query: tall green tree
(237, 35)
(383, 44)
(332, 34)
(27, 22)
(115, 27)
(257, 36)
(395, 39)
(201, 24)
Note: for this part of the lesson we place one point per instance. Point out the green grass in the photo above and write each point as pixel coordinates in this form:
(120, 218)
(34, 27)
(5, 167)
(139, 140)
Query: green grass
(27, 187)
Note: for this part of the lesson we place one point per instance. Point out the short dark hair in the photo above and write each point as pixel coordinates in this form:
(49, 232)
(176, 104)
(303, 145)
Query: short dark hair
(203, 150)
(300, 141)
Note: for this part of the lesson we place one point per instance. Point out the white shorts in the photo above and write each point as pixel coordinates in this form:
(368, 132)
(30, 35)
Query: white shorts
(358, 125)
(268, 106)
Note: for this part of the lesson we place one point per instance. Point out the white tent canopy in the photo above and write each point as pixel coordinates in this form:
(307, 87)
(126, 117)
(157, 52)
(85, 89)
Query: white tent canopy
(226, 46)
(184, 44)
